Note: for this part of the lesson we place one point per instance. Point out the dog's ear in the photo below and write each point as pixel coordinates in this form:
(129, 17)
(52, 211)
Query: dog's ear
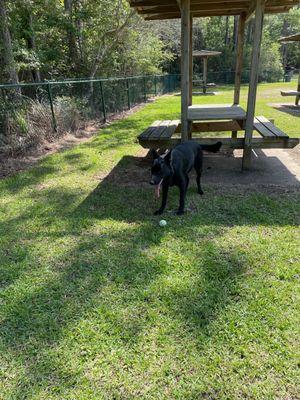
(167, 157)
(154, 154)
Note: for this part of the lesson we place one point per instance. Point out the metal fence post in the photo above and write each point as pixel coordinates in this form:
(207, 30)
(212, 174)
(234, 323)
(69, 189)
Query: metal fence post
(103, 101)
(3, 134)
(54, 124)
(155, 92)
(128, 93)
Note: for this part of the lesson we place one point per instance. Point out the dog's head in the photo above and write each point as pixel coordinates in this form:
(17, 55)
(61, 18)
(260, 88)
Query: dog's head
(161, 169)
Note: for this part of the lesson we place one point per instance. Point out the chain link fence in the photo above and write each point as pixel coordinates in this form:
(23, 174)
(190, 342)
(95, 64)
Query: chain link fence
(34, 112)
(228, 77)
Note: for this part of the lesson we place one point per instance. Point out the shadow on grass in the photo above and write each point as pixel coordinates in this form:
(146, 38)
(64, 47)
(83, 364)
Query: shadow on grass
(290, 109)
(32, 177)
(107, 257)
(38, 320)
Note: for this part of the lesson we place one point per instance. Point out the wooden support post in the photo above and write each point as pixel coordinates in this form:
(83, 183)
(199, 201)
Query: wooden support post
(191, 62)
(239, 58)
(185, 61)
(239, 62)
(191, 74)
(204, 74)
(259, 18)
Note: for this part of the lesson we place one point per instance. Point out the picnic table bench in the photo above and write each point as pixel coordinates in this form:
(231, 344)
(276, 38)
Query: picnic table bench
(290, 93)
(267, 129)
(293, 93)
(165, 134)
(200, 83)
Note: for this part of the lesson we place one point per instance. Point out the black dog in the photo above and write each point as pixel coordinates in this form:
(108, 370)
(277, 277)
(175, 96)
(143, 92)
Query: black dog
(172, 169)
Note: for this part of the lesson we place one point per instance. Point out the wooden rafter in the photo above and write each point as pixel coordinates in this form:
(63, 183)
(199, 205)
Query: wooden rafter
(292, 38)
(170, 9)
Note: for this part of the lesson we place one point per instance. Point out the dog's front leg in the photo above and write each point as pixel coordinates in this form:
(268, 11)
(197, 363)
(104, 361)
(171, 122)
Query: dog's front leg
(165, 189)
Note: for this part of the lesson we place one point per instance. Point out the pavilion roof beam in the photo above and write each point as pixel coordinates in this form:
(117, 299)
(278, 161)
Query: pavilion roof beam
(251, 10)
(163, 9)
(151, 17)
(248, 3)
(292, 38)
(240, 5)
(272, 7)
(175, 15)
(154, 3)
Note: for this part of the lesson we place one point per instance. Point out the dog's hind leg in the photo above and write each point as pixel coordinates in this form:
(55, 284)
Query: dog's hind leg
(187, 182)
(182, 189)
(198, 168)
(200, 191)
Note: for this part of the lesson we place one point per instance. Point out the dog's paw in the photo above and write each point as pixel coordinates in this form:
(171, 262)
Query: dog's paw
(201, 192)
(158, 212)
(180, 212)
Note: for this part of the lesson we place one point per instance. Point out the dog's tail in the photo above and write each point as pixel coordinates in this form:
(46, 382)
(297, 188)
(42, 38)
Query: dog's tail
(212, 148)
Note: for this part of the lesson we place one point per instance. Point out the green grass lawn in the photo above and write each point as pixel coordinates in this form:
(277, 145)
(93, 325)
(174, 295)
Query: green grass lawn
(99, 302)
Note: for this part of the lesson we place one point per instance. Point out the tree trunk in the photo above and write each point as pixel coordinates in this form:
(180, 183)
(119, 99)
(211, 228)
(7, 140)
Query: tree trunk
(9, 71)
(79, 32)
(284, 47)
(250, 27)
(30, 38)
(71, 35)
(226, 39)
(104, 48)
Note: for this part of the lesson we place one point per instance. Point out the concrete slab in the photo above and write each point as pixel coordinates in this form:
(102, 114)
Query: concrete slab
(270, 167)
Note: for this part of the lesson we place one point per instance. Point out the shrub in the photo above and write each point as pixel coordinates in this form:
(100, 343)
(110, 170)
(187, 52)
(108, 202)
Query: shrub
(29, 123)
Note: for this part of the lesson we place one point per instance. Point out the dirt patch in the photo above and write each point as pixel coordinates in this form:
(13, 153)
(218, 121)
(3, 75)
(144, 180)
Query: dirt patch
(273, 172)
(9, 165)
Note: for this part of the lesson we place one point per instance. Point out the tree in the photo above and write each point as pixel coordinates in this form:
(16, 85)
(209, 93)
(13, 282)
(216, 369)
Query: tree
(71, 34)
(28, 57)
(9, 71)
(54, 39)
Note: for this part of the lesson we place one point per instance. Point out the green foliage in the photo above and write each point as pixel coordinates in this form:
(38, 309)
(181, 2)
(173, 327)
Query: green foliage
(271, 59)
(217, 33)
(93, 38)
(98, 38)
(20, 121)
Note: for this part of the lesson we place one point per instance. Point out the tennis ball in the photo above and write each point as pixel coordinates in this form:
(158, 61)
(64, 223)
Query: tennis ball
(162, 223)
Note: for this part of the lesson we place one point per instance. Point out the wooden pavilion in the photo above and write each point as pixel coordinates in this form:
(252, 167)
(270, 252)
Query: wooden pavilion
(294, 93)
(213, 118)
(204, 56)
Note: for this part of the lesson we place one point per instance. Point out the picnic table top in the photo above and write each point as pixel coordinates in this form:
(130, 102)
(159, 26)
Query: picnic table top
(216, 112)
